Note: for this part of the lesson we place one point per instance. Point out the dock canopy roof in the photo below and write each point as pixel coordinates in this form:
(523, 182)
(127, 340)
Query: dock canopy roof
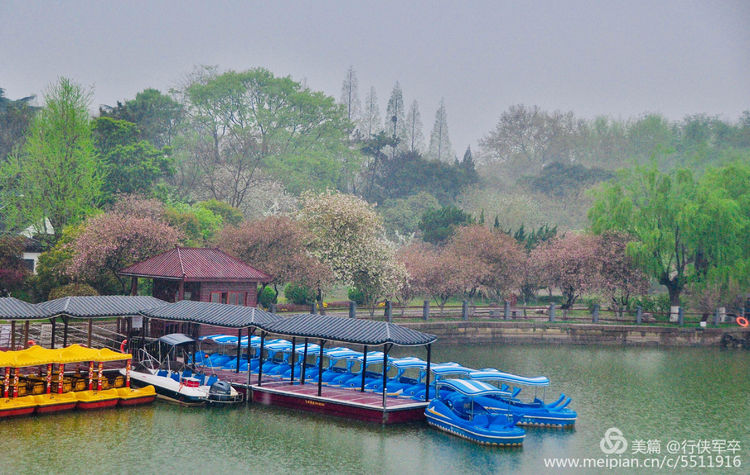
(14, 309)
(195, 264)
(350, 330)
(99, 306)
(217, 314)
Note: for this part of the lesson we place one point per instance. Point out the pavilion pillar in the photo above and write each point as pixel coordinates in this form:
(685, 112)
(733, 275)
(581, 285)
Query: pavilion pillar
(91, 328)
(12, 335)
(386, 349)
(304, 364)
(239, 350)
(364, 365)
(26, 334)
(427, 377)
(134, 286)
(65, 331)
(52, 336)
(320, 368)
(294, 354)
(260, 357)
(250, 332)
(181, 290)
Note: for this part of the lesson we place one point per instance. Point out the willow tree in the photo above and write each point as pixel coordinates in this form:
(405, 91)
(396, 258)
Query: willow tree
(55, 178)
(679, 228)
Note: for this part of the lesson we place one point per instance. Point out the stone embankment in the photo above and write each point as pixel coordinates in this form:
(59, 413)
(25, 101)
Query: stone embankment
(578, 334)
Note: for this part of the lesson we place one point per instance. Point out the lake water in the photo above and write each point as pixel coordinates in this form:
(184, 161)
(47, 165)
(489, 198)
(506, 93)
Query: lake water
(679, 394)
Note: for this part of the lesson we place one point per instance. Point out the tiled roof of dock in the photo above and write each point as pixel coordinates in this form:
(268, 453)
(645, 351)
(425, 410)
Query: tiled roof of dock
(349, 330)
(14, 309)
(196, 264)
(218, 314)
(99, 306)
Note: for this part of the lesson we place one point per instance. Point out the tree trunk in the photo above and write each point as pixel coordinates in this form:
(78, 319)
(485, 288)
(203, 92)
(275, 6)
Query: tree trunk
(674, 294)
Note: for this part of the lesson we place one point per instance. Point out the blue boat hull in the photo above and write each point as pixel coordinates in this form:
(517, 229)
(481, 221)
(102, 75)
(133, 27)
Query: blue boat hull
(482, 430)
(533, 414)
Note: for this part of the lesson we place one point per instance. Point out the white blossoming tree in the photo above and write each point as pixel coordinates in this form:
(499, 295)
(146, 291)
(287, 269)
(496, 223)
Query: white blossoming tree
(348, 236)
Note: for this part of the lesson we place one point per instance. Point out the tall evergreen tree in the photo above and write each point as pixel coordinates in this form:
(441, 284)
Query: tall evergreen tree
(414, 135)
(371, 123)
(396, 116)
(440, 143)
(350, 95)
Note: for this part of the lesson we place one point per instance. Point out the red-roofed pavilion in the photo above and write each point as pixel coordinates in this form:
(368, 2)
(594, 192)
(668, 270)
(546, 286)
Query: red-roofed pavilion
(202, 274)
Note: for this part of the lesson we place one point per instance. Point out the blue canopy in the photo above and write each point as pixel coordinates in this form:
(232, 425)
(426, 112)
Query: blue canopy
(223, 339)
(409, 362)
(372, 356)
(470, 387)
(450, 368)
(495, 375)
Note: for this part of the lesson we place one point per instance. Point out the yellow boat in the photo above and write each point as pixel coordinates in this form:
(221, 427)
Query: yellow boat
(17, 406)
(97, 399)
(47, 403)
(133, 397)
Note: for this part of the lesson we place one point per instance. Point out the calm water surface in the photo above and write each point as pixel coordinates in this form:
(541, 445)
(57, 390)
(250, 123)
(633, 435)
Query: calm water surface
(664, 394)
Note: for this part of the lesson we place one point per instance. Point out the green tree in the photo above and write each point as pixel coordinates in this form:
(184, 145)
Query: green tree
(438, 225)
(157, 116)
(240, 122)
(56, 175)
(15, 118)
(440, 142)
(131, 165)
(680, 229)
(402, 215)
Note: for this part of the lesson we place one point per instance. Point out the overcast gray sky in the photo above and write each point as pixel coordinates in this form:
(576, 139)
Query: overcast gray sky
(593, 57)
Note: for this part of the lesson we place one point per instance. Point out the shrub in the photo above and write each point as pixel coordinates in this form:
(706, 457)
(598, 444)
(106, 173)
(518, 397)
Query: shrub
(356, 295)
(266, 297)
(299, 294)
(72, 290)
(657, 303)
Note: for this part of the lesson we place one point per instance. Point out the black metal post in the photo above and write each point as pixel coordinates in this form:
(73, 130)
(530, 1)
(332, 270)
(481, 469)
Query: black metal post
(65, 331)
(194, 335)
(386, 348)
(427, 377)
(294, 354)
(249, 373)
(352, 309)
(320, 368)
(304, 364)
(52, 338)
(239, 349)
(364, 365)
(260, 357)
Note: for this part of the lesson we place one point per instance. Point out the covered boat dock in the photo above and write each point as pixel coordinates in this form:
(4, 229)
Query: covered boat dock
(337, 401)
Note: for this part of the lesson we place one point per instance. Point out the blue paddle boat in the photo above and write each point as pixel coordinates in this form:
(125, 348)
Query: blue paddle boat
(405, 368)
(535, 412)
(439, 371)
(457, 410)
(340, 362)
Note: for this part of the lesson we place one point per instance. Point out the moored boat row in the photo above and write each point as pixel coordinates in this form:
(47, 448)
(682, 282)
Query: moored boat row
(31, 386)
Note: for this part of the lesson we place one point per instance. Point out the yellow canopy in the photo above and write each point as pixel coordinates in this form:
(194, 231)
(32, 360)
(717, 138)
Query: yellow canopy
(37, 355)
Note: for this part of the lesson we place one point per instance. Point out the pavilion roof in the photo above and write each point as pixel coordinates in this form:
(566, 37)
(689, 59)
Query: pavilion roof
(196, 264)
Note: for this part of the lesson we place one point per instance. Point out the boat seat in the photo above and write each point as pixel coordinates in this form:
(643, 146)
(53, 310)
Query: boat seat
(175, 376)
(481, 420)
(212, 379)
(200, 377)
(162, 373)
(187, 373)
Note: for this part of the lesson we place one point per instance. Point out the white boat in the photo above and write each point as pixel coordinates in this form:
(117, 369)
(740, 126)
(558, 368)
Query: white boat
(176, 382)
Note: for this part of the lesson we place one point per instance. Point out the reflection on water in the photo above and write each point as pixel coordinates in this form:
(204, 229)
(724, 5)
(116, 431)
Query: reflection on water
(689, 393)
